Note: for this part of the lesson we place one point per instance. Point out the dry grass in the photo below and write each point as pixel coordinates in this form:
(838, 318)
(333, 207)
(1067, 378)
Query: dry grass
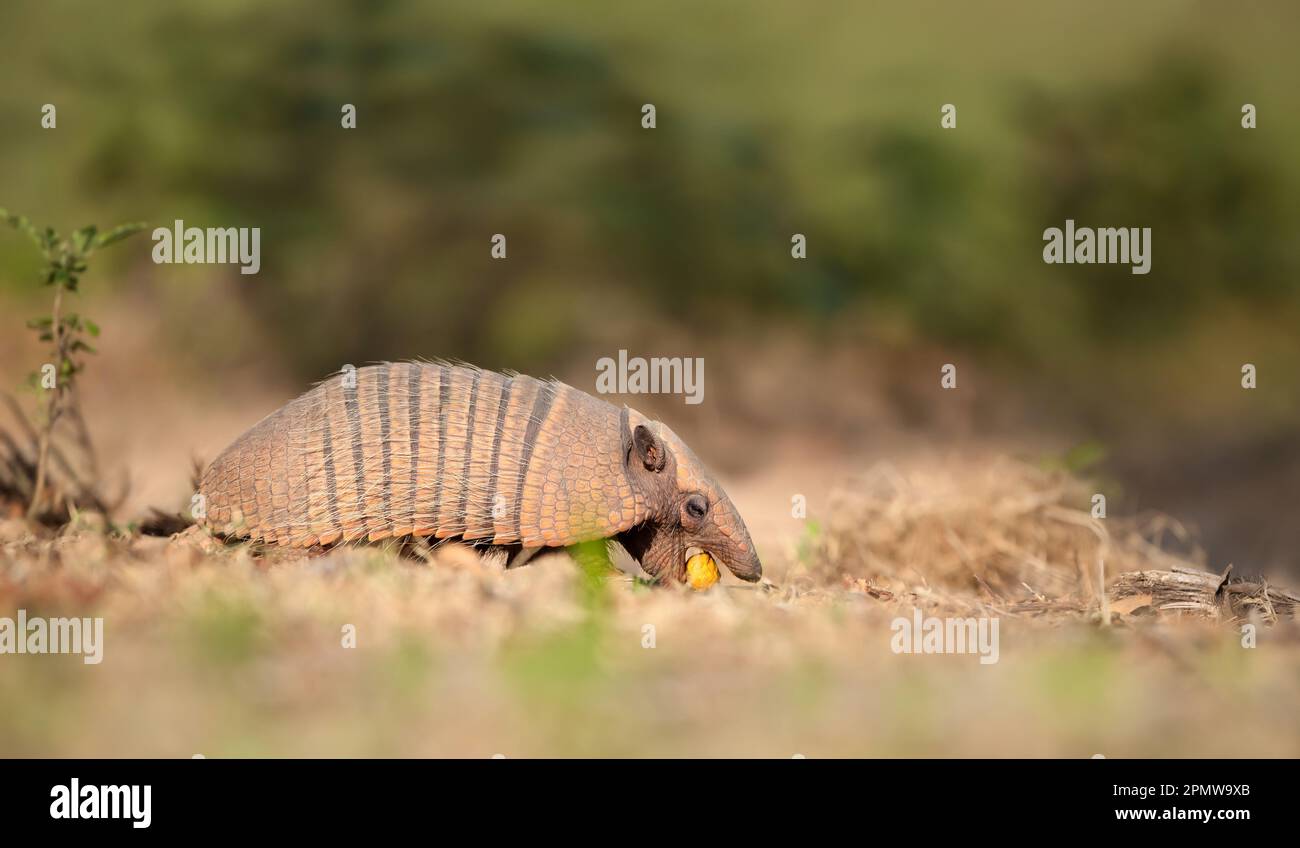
(1006, 538)
(218, 650)
(1003, 532)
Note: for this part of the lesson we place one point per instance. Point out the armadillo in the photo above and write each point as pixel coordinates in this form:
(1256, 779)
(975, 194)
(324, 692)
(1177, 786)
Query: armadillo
(451, 451)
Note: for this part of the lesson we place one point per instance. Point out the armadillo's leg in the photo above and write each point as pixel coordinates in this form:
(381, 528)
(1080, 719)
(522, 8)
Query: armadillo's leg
(520, 556)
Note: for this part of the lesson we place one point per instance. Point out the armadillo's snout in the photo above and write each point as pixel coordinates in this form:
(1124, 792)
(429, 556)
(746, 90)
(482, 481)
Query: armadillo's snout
(732, 547)
(743, 563)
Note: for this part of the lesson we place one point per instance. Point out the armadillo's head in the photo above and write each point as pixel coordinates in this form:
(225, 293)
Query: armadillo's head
(689, 513)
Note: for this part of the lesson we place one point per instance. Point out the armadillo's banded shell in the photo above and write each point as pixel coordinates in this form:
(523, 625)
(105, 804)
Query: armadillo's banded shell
(432, 450)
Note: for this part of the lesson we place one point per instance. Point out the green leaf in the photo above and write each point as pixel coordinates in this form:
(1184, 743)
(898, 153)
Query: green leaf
(20, 223)
(1077, 460)
(118, 233)
(84, 238)
(1084, 456)
(92, 328)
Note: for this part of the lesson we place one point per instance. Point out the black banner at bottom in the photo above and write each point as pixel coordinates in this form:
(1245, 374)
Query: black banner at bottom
(332, 797)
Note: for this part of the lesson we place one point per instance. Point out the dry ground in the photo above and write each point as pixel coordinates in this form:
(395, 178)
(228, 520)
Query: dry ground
(226, 651)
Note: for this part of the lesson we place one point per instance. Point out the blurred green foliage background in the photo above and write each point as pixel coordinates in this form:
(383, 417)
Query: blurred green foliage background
(523, 118)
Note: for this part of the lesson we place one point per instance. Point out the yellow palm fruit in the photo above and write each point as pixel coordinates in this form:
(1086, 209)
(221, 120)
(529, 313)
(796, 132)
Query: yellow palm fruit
(701, 572)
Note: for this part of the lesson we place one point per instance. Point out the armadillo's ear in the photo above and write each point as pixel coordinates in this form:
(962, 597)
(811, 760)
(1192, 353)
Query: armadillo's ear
(648, 448)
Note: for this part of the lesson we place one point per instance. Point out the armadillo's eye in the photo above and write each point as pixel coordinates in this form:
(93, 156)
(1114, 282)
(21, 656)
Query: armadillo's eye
(697, 507)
